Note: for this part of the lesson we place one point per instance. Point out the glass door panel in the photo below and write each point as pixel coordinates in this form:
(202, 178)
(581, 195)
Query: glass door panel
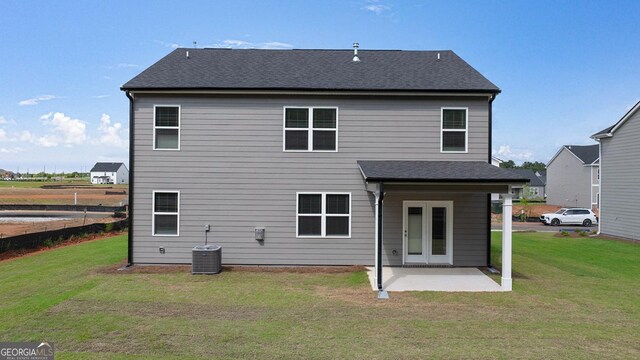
(438, 231)
(414, 231)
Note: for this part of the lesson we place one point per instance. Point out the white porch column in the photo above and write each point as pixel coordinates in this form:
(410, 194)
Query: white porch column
(506, 241)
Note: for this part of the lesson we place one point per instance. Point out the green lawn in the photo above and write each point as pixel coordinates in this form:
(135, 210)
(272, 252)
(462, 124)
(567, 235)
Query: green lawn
(572, 298)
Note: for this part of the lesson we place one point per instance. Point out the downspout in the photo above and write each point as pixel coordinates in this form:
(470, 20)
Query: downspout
(131, 178)
(379, 210)
(599, 185)
(493, 97)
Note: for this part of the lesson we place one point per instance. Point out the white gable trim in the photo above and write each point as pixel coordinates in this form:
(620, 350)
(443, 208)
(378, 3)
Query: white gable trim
(558, 153)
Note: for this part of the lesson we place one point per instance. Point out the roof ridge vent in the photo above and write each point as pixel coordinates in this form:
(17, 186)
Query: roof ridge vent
(355, 52)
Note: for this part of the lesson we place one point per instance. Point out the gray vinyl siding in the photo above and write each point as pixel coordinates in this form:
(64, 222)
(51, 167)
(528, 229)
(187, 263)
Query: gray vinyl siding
(469, 225)
(619, 175)
(595, 185)
(568, 181)
(232, 172)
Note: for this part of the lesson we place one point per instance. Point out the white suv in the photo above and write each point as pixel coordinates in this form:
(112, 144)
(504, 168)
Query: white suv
(573, 216)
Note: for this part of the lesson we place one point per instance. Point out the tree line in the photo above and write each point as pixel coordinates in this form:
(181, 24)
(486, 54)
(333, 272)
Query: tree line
(535, 166)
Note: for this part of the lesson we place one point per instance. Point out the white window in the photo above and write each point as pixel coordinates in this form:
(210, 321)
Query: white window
(323, 215)
(166, 127)
(310, 129)
(166, 213)
(454, 130)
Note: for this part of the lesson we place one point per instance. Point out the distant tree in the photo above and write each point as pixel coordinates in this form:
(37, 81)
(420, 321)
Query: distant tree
(508, 164)
(535, 166)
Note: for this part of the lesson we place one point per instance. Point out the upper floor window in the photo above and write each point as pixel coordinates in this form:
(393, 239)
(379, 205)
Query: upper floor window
(166, 127)
(454, 130)
(310, 129)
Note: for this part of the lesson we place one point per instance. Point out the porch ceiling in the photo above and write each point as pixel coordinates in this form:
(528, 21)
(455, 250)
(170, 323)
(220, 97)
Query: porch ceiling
(434, 279)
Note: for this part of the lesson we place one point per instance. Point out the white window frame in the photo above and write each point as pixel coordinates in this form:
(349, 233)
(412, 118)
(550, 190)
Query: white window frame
(465, 130)
(323, 215)
(154, 213)
(310, 129)
(167, 127)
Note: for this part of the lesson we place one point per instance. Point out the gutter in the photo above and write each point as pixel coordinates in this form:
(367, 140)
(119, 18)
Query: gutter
(493, 97)
(131, 178)
(312, 91)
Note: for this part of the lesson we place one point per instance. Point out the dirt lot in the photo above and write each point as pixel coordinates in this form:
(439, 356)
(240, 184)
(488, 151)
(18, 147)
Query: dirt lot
(19, 228)
(86, 196)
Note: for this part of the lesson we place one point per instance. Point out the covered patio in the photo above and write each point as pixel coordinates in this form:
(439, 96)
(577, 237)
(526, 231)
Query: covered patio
(433, 279)
(433, 224)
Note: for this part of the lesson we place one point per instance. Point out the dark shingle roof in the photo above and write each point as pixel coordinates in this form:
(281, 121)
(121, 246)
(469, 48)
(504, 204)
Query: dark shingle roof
(105, 166)
(604, 131)
(252, 69)
(587, 153)
(437, 171)
(534, 180)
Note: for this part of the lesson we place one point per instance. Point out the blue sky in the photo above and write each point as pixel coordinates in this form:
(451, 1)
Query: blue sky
(566, 68)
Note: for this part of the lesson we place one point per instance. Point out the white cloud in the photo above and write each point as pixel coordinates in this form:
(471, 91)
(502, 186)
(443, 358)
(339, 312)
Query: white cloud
(517, 155)
(36, 100)
(4, 121)
(25, 136)
(241, 44)
(100, 96)
(3, 135)
(376, 8)
(111, 133)
(124, 66)
(13, 150)
(168, 44)
(66, 130)
(47, 141)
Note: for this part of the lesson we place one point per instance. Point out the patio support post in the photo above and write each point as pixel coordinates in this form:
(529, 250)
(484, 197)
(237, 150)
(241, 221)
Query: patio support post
(379, 203)
(506, 241)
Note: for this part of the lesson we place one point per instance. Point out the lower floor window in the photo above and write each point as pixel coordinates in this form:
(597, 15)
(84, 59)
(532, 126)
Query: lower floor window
(324, 215)
(166, 212)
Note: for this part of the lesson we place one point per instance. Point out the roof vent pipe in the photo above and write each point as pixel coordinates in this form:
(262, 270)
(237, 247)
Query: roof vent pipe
(187, 54)
(438, 56)
(355, 52)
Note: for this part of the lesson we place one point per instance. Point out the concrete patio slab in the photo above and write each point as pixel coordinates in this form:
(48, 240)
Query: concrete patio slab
(434, 279)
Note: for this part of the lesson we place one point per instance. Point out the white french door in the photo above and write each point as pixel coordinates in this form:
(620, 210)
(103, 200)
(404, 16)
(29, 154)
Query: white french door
(428, 232)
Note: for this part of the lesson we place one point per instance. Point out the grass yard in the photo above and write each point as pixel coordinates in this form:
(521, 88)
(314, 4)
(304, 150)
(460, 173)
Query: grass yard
(572, 298)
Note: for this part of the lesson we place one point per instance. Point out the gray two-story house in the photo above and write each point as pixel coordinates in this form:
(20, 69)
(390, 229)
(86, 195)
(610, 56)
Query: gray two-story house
(379, 157)
(620, 176)
(573, 177)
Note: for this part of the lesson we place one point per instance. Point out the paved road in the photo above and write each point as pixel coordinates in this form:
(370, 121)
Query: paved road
(531, 226)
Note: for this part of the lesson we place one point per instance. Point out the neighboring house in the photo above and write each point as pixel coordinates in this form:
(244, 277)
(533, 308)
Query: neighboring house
(573, 177)
(542, 175)
(535, 188)
(383, 157)
(620, 176)
(109, 173)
